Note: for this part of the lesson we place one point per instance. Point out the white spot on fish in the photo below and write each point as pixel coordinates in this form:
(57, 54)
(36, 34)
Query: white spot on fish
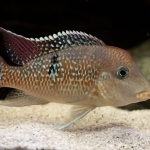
(60, 64)
(41, 39)
(73, 74)
(63, 57)
(55, 36)
(71, 67)
(51, 84)
(76, 69)
(37, 40)
(43, 66)
(46, 38)
(18, 71)
(43, 75)
(35, 75)
(51, 38)
(25, 75)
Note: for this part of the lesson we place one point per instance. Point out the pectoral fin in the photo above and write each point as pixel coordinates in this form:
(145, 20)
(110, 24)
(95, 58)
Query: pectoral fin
(77, 112)
(17, 98)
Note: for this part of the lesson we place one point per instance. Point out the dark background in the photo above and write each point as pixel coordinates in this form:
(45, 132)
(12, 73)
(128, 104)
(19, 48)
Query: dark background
(122, 23)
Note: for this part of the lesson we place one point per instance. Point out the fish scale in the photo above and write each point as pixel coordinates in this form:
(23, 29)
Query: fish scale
(71, 68)
(29, 79)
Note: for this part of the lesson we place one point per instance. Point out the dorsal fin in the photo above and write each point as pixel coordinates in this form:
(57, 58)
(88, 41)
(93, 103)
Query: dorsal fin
(21, 49)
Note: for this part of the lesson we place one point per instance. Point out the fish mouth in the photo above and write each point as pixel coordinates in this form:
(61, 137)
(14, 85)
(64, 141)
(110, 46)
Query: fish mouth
(143, 95)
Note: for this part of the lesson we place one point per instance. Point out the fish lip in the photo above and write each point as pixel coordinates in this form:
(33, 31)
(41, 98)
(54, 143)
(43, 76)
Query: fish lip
(143, 95)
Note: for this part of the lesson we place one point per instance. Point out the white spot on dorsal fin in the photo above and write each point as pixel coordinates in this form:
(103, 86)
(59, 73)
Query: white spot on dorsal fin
(45, 53)
(64, 33)
(91, 36)
(67, 32)
(46, 38)
(27, 38)
(59, 34)
(77, 32)
(74, 32)
(71, 32)
(32, 39)
(81, 33)
(41, 39)
(51, 50)
(37, 40)
(55, 36)
(86, 34)
(52, 45)
(51, 37)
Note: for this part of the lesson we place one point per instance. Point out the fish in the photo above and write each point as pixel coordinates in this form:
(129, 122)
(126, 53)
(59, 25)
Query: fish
(71, 68)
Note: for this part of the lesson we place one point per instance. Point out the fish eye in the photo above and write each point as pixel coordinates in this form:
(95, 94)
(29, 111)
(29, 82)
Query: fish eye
(122, 72)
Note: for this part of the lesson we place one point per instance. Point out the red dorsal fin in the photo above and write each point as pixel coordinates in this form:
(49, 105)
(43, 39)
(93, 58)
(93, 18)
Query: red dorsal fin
(21, 49)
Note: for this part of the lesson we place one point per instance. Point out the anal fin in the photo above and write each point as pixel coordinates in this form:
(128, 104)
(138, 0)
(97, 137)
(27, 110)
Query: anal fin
(17, 98)
(76, 113)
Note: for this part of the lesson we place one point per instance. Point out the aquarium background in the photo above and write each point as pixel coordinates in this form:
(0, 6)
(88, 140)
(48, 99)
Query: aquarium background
(121, 23)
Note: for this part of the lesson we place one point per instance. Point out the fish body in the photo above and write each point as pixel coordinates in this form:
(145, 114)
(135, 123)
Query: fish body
(70, 68)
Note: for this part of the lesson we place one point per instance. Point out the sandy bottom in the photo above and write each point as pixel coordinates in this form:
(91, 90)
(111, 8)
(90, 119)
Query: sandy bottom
(104, 128)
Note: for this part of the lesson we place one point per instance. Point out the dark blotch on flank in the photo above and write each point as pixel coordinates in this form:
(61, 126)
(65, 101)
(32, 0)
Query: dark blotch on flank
(53, 67)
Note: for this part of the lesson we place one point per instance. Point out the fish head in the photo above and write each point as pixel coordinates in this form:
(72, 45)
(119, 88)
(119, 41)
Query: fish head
(121, 82)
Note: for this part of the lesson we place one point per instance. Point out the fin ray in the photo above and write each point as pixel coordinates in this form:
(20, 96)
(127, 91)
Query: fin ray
(77, 112)
(17, 98)
(21, 49)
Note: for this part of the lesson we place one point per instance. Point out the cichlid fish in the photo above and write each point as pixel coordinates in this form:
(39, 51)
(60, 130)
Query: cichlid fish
(70, 68)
